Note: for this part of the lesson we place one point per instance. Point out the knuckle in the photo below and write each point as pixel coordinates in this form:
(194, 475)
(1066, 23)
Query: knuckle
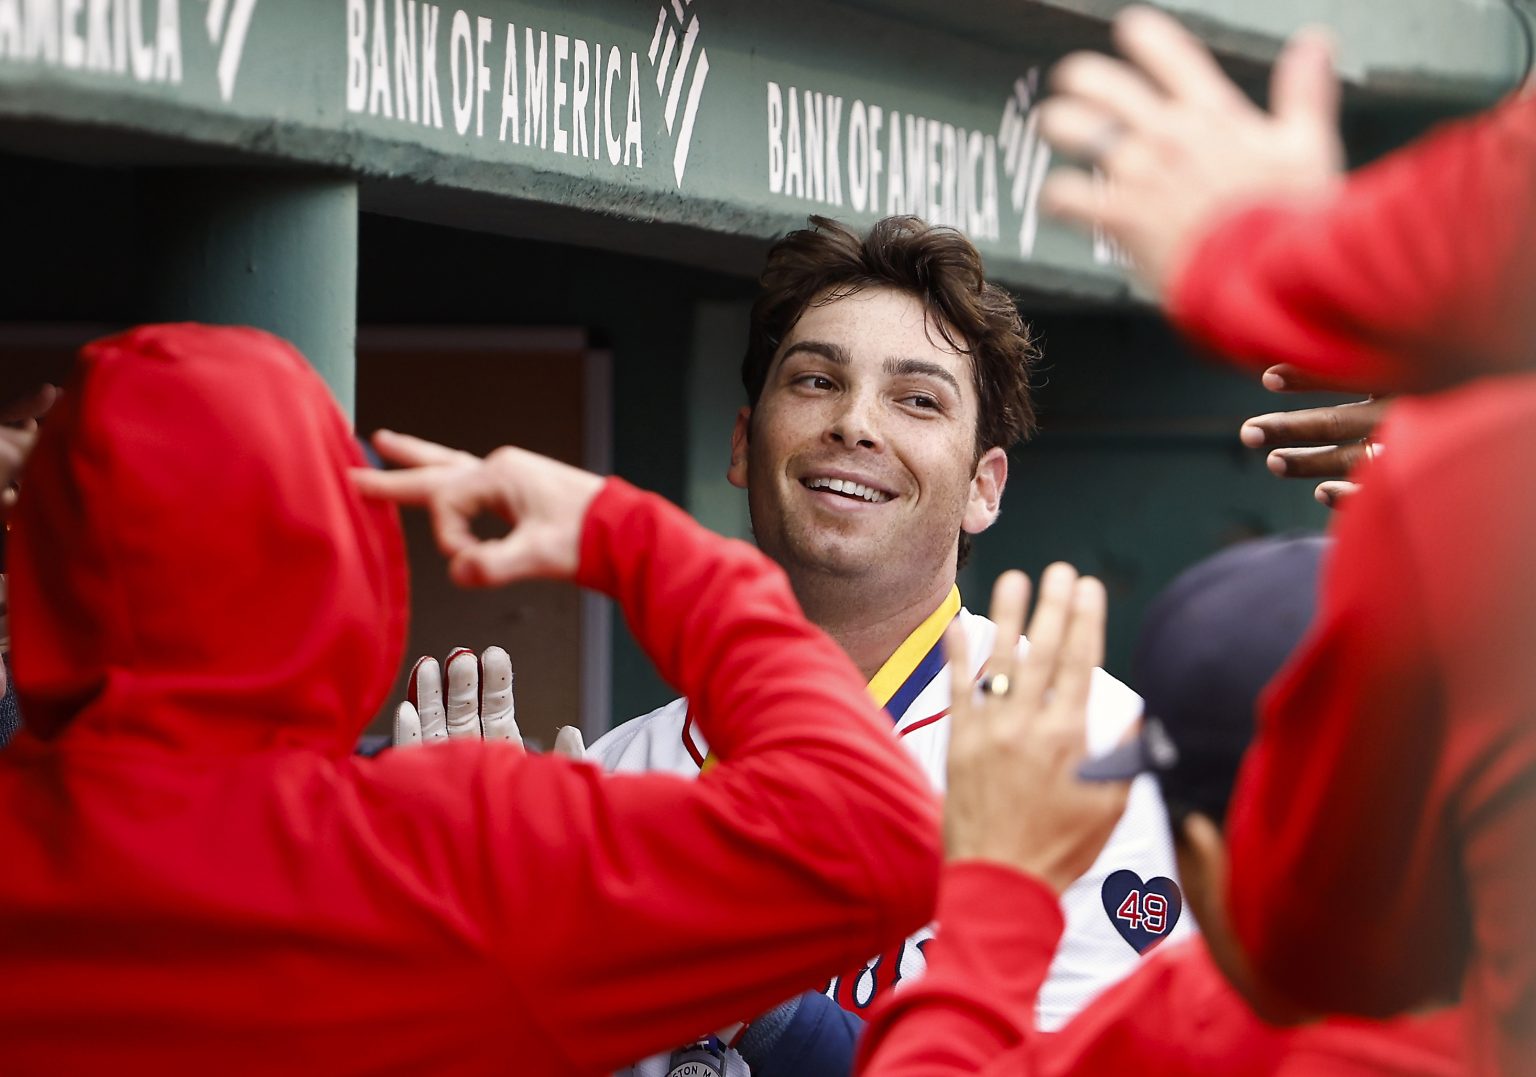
(503, 458)
(1333, 425)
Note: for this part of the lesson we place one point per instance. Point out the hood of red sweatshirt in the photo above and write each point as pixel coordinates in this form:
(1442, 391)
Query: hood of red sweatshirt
(190, 566)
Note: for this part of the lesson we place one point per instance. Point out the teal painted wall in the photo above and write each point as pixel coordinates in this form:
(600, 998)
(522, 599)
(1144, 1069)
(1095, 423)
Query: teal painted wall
(109, 247)
(1138, 471)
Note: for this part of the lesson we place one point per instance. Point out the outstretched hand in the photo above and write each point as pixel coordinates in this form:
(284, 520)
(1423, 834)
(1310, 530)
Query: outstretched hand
(1015, 747)
(474, 700)
(1177, 144)
(544, 500)
(1316, 443)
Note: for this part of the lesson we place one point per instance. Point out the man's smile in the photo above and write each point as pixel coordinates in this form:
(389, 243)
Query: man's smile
(846, 487)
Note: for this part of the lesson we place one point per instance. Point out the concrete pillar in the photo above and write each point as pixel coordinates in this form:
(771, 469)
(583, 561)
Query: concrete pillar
(276, 250)
(714, 396)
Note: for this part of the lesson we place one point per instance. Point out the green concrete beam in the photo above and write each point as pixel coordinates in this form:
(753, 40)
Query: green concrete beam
(1465, 52)
(693, 130)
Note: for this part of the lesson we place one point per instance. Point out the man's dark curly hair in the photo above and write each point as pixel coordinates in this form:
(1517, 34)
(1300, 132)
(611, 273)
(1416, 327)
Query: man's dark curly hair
(829, 260)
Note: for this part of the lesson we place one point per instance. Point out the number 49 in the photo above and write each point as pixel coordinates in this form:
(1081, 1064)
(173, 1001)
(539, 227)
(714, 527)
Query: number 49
(1146, 911)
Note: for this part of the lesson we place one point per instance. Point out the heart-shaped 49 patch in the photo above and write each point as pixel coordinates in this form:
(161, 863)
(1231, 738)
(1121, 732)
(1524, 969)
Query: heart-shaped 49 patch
(1143, 912)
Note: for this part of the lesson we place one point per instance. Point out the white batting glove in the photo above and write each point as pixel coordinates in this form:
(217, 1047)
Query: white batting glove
(477, 702)
(568, 742)
(421, 713)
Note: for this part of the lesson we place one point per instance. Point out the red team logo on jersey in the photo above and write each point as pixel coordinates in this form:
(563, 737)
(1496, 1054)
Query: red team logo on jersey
(856, 991)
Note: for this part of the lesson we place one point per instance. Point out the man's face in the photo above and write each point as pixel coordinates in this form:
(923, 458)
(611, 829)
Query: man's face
(859, 459)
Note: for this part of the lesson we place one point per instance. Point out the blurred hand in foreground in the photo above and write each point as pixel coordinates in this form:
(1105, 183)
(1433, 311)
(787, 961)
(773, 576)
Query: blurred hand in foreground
(543, 500)
(1176, 144)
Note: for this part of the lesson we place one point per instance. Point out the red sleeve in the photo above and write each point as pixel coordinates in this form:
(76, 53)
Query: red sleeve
(998, 929)
(973, 1012)
(1418, 274)
(1343, 886)
(643, 910)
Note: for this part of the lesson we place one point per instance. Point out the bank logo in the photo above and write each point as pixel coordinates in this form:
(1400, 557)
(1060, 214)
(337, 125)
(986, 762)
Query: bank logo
(228, 21)
(681, 66)
(1026, 156)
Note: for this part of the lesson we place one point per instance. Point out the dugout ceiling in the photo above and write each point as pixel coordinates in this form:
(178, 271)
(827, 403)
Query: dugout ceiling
(691, 130)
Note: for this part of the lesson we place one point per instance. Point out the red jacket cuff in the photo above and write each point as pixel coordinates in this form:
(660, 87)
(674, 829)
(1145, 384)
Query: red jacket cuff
(605, 517)
(1003, 925)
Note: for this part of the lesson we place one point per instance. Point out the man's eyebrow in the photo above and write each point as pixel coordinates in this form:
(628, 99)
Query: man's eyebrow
(922, 367)
(835, 353)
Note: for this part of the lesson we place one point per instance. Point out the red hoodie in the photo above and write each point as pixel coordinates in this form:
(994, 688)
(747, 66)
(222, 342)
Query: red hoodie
(198, 874)
(1383, 832)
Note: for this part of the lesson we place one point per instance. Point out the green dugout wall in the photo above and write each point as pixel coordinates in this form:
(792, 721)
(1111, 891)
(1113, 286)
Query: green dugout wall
(620, 166)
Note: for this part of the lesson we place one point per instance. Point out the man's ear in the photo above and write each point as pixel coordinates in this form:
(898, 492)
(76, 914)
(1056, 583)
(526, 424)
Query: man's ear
(736, 474)
(986, 497)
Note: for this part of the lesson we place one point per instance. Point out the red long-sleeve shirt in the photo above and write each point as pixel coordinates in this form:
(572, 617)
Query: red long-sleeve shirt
(1175, 1015)
(1384, 831)
(1416, 276)
(199, 876)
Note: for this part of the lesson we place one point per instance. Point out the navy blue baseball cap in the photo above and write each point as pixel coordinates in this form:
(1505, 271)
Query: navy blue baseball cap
(1209, 643)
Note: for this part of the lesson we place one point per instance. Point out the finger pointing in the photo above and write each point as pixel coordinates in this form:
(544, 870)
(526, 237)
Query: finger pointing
(409, 451)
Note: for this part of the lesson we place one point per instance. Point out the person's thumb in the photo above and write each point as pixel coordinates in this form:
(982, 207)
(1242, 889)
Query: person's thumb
(568, 742)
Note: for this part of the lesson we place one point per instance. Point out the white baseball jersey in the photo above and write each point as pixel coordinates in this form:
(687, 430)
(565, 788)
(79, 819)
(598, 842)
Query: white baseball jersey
(1127, 900)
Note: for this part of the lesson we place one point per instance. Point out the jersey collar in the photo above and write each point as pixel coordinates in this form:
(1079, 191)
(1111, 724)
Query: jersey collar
(916, 662)
(895, 685)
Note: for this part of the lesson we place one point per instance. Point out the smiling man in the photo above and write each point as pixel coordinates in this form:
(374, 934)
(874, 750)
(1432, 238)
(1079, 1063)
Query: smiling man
(864, 458)
(886, 381)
